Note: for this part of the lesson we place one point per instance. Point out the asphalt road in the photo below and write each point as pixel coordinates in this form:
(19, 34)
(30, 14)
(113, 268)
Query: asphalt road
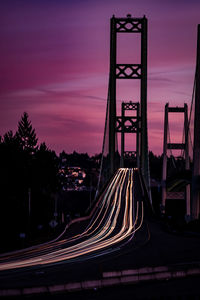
(110, 242)
(117, 218)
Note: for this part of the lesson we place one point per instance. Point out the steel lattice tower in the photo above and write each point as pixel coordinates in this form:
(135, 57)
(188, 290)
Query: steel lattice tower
(175, 146)
(129, 71)
(129, 124)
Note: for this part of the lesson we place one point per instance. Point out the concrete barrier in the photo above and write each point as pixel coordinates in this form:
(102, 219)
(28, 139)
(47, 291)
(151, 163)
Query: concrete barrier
(34, 290)
(111, 279)
(56, 288)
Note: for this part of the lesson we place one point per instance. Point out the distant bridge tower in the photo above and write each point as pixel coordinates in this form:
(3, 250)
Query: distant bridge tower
(129, 124)
(175, 146)
(129, 71)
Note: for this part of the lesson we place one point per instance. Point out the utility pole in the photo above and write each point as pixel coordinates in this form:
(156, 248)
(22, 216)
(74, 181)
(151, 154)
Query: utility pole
(29, 203)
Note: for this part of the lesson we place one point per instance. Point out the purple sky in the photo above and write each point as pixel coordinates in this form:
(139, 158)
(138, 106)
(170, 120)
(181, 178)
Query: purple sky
(55, 61)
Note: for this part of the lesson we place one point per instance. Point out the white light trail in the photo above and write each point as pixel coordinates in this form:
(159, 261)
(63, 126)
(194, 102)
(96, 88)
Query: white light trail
(118, 217)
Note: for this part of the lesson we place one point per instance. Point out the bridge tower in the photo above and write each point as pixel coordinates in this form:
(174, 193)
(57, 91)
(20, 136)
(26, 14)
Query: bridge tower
(175, 146)
(129, 124)
(196, 152)
(129, 71)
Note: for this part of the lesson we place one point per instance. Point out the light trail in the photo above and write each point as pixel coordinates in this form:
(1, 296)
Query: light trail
(117, 218)
(46, 247)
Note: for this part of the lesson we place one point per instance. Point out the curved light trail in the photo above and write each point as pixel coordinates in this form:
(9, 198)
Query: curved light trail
(117, 217)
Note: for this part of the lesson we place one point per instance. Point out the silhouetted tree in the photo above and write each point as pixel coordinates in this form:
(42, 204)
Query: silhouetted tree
(45, 168)
(9, 137)
(26, 134)
(155, 165)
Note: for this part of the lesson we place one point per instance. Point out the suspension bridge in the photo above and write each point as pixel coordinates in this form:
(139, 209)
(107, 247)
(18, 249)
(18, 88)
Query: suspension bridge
(137, 124)
(115, 236)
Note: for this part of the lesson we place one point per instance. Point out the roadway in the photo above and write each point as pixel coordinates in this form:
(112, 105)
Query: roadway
(119, 236)
(116, 219)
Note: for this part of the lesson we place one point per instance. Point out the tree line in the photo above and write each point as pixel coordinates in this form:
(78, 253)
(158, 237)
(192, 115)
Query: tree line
(28, 183)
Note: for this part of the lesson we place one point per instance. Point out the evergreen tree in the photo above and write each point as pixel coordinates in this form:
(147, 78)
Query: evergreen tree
(9, 139)
(26, 134)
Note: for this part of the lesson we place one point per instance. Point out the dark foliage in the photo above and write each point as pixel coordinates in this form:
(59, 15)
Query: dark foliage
(80, 160)
(26, 134)
(28, 182)
(155, 163)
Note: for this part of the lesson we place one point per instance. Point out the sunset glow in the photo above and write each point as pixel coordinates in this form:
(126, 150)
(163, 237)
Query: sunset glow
(55, 65)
